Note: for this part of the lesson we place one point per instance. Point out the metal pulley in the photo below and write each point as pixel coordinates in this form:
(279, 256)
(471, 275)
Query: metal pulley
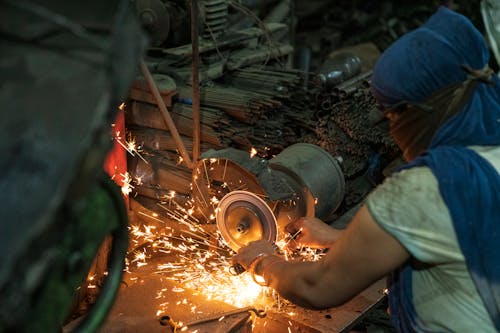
(243, 217)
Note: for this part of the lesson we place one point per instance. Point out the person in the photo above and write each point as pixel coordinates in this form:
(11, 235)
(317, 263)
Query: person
(434, 225)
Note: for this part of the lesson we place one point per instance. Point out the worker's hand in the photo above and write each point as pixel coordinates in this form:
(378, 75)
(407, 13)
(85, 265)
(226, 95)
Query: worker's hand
(311, 232)
(250, 252)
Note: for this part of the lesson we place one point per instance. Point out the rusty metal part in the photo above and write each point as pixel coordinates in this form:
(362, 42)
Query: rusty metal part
(168, 321)
(155, 18)
(243, 36)
(257, 312)
(317, 170)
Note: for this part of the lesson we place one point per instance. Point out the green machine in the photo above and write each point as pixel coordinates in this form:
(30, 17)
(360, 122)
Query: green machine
(65, 66)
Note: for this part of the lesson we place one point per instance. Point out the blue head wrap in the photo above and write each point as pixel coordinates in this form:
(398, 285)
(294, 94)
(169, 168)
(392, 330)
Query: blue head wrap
(414, 67)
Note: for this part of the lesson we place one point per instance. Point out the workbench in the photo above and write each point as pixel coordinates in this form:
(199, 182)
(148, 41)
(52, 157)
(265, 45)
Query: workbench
(144, 292)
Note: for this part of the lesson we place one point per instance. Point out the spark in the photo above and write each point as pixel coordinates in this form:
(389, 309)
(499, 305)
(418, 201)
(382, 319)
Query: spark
(127, 183)
(253, 152)
(129, 145)
(200, 261)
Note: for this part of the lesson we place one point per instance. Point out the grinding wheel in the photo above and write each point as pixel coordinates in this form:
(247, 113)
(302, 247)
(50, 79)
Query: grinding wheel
(243, 217)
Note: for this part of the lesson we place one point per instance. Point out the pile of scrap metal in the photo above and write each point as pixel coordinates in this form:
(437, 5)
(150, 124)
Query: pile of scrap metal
(250, 98)
(58, 204)
(322, 27)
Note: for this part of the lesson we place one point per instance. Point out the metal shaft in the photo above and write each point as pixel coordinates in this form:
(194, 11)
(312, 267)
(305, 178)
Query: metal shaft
(258, 313)
(195, 79)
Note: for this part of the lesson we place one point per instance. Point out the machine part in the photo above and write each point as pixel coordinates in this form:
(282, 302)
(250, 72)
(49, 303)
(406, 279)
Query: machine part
(257, 3)
(339, 69)
(243, 217)
(155, 18)
(214, 14)
(490, 11)
(291, 198)
(57, 214)
(220, 172)
(303, 63)
(319, 171)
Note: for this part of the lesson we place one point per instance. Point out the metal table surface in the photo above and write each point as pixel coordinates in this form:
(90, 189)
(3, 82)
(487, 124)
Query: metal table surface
(137, 309)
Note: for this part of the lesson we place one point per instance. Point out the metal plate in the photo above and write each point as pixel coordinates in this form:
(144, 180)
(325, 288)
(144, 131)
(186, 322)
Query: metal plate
(243, 217)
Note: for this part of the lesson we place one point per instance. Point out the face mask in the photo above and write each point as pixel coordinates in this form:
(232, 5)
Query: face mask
(413, 125)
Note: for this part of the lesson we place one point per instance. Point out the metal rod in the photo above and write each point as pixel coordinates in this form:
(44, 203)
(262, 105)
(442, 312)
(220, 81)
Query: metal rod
(258, 313)
(195, 79)
(166, 115)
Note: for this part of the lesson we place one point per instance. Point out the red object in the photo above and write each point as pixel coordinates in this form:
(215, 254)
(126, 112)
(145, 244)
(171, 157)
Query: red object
(115, 164)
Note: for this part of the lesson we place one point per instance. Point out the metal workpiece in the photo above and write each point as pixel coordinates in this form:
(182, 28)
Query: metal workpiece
(251, 311)
(238, 322)
(338, 69)
(318, 170)
(214, 14)
(254, 199)
(214, 177)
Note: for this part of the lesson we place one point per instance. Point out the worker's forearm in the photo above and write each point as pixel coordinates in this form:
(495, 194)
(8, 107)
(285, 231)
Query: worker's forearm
(364, 254)
(301, 282)
(331, 238)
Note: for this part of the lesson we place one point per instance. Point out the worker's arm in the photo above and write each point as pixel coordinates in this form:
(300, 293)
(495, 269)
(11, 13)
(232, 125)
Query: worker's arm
(363, 254)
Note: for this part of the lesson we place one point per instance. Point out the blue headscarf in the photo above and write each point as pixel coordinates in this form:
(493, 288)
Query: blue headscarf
(413, 68)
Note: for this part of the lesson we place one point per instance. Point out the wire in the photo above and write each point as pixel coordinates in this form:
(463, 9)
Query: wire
(262, 25)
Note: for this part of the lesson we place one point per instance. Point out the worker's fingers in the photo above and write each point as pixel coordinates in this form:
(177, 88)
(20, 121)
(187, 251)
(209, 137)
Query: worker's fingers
(248, 253)
(295, 226)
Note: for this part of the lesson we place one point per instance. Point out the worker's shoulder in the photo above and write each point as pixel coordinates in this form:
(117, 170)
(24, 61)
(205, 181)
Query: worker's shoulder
(404, 189)
(406, 197)
(416, 179)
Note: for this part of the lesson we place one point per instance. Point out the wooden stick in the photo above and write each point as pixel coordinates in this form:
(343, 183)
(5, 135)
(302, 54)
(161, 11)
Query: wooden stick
(166, 115)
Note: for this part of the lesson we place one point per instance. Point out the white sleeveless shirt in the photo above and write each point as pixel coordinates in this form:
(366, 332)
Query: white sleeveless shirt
(409, 206)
